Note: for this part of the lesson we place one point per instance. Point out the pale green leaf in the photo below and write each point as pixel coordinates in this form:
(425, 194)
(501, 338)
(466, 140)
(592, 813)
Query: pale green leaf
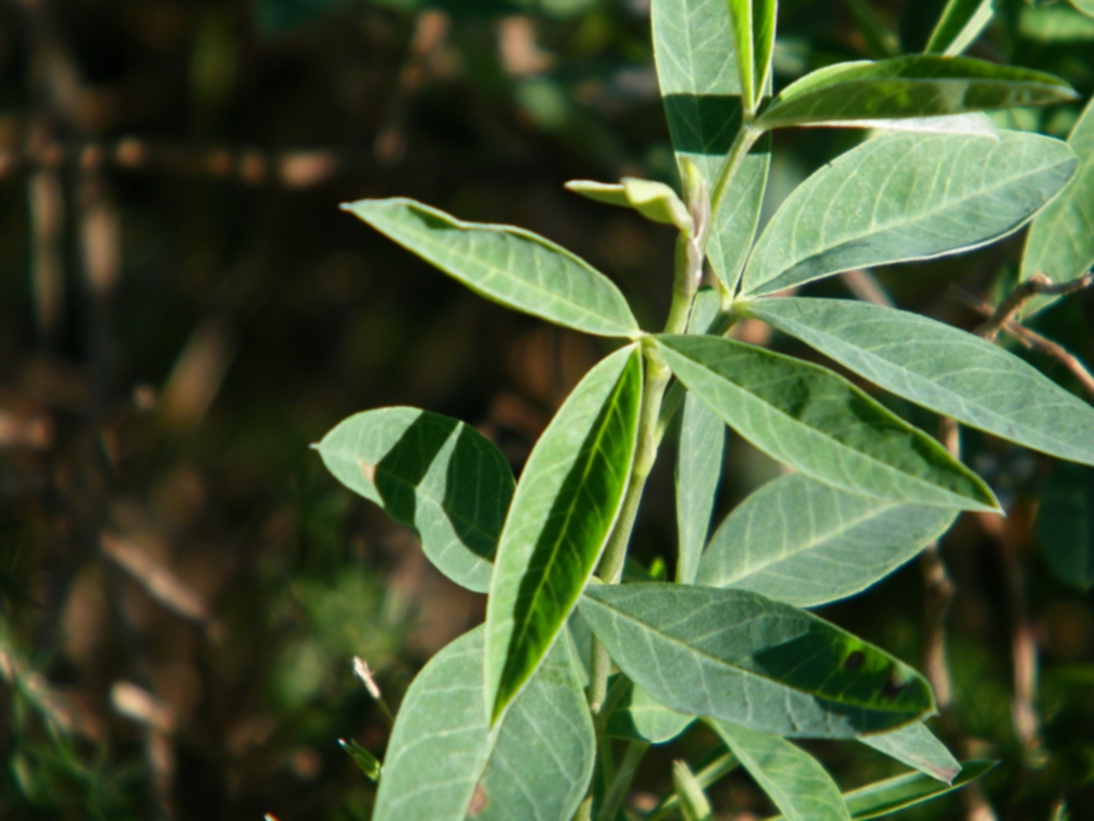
(754, 37)
(817, 422)
(638, 716)
(894, 794)
(432, 473)
(698, 471)
(1056, 24)
(655, 201)
(1065, 524)
(1085, 6)
(917, 747)
(959, 25)
(794, 780)
(901, 197)
(942, 368)
(910, 86)
(696, 69)
(445, 763)
(737, 656)
(563, 510)
(805, 543)
(511, 266)
(1061, 237)
(694, 804)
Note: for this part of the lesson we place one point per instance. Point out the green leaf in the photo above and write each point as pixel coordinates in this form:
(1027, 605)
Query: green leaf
(820, 424)
(942, 368)
(805, 543)
(637, 716)
(910, 86)
(696, 69)
(959, 25)
(564, 508)
(901, 197)
(445, 763)
(754, 37)
(655, 201)
(698, 471)
(507, 265)
(1061, 237)
(366, 761)
(737, 656)
(794, 780)
(917, 747)
(1065, 524)
(1085, 6)
(894, 794)
(432, 473)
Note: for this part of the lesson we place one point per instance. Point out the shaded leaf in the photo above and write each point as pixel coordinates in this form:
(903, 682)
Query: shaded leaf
(698, 472)
(901, 197)
(737, 656)
(444, 762)
(805, 543)
(959, 25)
(1061, 237)
(794, 780)
(430, 472)
(366, 761)
(507, 265)
(697, 73)
(1065, 524)
(917, 747)
(948, 370)
(820, 424)
(638, 716)
(754, 37)
(563, 510)
(910, 86)
(694, 804)
(904, 791)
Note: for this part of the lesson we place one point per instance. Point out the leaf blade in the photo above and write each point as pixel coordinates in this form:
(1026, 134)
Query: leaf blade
(903, 791)
(917, 747)
(562, 512)
(959, 25)
(511, 266)
(754, 38)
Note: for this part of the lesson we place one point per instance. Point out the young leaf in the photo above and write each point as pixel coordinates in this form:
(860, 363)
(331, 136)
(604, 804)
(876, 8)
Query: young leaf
(1061, 237)
(693, 48)
(445, 763)
(960, 24)
(368, 763)
(754, 37)
(432, 473)
(637, 716)
(911, 86)
(942, 368)
(819, 423)
(510, 266)
(694, 805)
(792, 779)
(917, 747)
(894, 794)
(901, 197)
(655, 201)
(563, 510)
(1065, 524)
(804, 543)
(739, 657)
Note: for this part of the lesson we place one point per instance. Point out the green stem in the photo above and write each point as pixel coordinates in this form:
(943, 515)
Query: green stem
(746, 138)
(613, 798)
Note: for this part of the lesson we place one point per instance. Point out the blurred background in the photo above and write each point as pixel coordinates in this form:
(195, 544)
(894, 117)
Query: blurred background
(184, 309)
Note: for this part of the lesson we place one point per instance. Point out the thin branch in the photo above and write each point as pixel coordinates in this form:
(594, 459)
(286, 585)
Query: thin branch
(1036, 285)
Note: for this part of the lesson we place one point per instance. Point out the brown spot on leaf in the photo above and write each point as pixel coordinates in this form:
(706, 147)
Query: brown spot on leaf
(855, 660)
(478, 800)
(368, 470)
(893, 686)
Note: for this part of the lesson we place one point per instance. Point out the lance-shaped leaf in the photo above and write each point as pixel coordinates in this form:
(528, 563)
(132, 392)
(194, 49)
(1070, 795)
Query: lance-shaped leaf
(901, 197)
(1065, 524)
(754, 38)
(913, 86)
(1085, 6)
(805, 543)
(445, 763)
(792, 779)
(819, 423)
(959, 25)
(737, 656)
(1061, 237)
(655, 201)
(697, 72)
(884, 798)
(507, 265)
(942, 368)
(432, 473)
(638, 716)
(564, 508)
(917, 747)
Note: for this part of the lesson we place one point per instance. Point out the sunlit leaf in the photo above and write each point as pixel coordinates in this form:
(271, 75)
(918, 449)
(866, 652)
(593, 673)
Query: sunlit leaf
(894, 794)
(911, 86)
(563, 510)
(917, 747)
(1085, 6)
(655, 201)
(805, 543)
(433, 473)
(817, 422)
(1065, 524)
(511, 266)
(737, 656)
(792, 779)
(959, 25)
(754, 37)
(942, 368)
(901, 197)
(445, 763)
